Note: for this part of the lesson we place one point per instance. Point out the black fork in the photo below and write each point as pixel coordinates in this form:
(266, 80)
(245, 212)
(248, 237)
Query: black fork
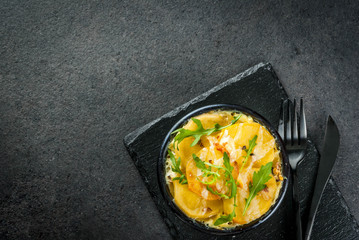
(294, 136)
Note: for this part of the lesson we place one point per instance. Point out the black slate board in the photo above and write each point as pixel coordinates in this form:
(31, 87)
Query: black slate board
(257, 88)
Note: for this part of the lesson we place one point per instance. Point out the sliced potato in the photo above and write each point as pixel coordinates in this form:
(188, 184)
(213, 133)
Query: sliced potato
(259, 205)
(185, 151)
(269, 157)
(208, 120)
(196, 186)
(245, 132)
(193, 205)
(212, 118)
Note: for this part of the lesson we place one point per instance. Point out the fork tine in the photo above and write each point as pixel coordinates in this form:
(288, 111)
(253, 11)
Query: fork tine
(289, 122)
(295, 124)
(303, 125)
(281, 121)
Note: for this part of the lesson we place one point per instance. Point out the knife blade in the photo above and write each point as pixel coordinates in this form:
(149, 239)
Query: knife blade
(327, 160)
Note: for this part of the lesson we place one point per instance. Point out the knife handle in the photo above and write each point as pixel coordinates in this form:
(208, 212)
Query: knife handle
(296, 205)
(320, 184)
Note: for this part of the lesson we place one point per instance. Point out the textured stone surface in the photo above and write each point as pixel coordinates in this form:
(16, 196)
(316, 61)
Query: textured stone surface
(264, 95)
(77, 76)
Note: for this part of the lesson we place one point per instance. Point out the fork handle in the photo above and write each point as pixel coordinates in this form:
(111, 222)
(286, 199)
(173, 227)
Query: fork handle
(296, 205)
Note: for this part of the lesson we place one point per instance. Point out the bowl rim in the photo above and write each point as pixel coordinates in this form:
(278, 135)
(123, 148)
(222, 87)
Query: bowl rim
(196, 224)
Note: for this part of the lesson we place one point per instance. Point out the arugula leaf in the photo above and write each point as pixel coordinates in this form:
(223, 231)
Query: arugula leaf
(228, 173)
(202, 166)
(226, 162)
(214, 179)
(199, 132)
(176, 168)
(217, 193)
(229, 168)
(225, 218)
(258, 183)
(252, 144)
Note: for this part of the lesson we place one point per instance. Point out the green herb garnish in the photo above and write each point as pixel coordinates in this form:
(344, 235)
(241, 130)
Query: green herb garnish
(229, 168)
(217, 193)
(258, 183)
(229, 180)
(208, 172)
(252, 144)
(225, 218)
(199, 132)
(229, 175)
(176, 168)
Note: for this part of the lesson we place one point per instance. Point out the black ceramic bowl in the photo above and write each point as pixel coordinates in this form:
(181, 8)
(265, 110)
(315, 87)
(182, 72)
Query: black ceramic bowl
(198, 225)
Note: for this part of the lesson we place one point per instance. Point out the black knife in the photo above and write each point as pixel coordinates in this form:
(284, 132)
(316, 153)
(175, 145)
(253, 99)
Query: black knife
(327, 160)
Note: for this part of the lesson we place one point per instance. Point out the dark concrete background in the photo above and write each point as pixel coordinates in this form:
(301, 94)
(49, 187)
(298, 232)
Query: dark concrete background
(76, 77)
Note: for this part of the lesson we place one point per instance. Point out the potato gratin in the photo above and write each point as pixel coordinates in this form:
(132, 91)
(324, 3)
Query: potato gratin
(223, 169)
